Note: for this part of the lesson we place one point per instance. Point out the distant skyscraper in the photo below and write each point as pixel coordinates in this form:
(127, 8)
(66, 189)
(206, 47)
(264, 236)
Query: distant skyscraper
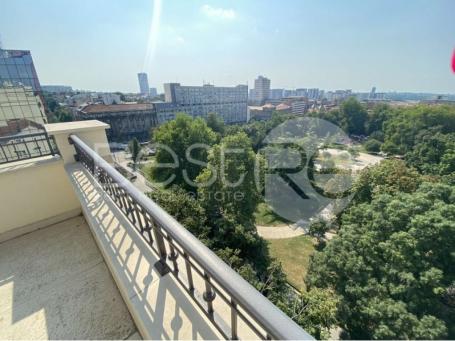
(313, 93)
(143, 83)
(276, 93)
(153, 92)
(261, 89)
(373, 93)
(301, 92)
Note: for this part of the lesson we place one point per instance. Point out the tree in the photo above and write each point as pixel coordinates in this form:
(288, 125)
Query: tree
(392, 265)
(62, 114)
(373, 145)
(389, 176)
(56, 112)
(188, 140)
(318, 229)
(135, 149)
(228, 183)
(51, 102)
(403, 130)
(376, 118)
(433, 152)
(355, 116)
(315, 310)
(216, 123)
(185, 209)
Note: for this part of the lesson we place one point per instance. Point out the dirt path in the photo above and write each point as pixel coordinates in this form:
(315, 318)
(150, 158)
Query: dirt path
(279, 232)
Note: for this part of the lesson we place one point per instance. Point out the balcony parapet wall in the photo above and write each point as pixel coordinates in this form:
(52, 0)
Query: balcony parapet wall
(36, 193)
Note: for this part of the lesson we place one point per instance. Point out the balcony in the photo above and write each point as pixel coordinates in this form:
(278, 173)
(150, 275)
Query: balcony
(84, 254)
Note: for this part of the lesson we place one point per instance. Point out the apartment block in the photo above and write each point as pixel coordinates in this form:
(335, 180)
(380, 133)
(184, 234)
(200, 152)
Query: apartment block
(230, 103)
(261, 90)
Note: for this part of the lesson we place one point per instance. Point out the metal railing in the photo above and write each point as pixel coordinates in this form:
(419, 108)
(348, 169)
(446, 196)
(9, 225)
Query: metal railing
(170, 240)
(26, 147)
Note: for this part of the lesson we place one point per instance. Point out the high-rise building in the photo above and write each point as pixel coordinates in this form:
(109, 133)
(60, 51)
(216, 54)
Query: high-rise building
(373, 93)
(261, 90)
(301, 92)
(313, 93)
(22, 110)
(228, 102)
(289, 93)
(276, 94)
(153, 92)
(143, 83)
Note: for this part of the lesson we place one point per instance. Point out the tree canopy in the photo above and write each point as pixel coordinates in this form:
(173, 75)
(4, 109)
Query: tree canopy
(392, 264)
(216, 123)
(135, 148)
(188, 140)
(228, 183)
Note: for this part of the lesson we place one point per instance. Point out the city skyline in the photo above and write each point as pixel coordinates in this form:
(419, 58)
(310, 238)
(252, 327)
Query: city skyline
(326, 45)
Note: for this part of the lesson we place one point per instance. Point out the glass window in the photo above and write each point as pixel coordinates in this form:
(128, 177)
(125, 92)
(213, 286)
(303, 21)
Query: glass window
(9, 61)
(12, 70)
(29, 71)
(27, 59)
(22, 71)
(4, 71)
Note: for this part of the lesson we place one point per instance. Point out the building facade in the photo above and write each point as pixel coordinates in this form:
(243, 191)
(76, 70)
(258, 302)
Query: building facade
(261, 90)
(313, 93)
(109, 98)
(276, 94)
(57, 89)
(299, 107)
(126, 120)
(261, 113)
(143, 83)
(22, 109)
(153, 92)
(230, 103)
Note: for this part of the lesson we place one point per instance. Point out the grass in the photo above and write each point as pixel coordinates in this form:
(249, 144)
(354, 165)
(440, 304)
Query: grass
(265, 216)
(146, 168)
(294, 255)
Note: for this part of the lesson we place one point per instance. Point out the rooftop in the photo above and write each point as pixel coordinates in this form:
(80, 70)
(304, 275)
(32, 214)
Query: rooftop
(101, 108)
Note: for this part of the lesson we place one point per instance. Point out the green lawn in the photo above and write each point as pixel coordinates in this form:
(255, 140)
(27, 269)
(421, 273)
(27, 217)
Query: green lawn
(294, 255)
(146, 168)
(265, 216)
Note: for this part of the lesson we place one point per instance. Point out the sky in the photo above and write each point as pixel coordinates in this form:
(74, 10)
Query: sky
(395, 45)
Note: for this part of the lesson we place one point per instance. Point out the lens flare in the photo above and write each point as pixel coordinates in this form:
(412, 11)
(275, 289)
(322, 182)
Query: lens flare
(153, 36)
(453, 61)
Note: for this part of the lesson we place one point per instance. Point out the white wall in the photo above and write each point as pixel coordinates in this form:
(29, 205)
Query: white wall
(34, 194)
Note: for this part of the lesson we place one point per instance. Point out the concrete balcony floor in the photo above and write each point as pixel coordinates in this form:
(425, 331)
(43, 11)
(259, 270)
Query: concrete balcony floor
(54, 284)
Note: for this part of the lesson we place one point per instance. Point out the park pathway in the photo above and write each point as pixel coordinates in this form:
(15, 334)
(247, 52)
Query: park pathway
(279, 232)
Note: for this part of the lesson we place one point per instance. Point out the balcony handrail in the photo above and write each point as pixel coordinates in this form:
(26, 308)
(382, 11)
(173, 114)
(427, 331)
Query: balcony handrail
(26, 146)
(270, 318)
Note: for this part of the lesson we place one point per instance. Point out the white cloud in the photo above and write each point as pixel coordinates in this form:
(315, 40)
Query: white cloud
(218, 13)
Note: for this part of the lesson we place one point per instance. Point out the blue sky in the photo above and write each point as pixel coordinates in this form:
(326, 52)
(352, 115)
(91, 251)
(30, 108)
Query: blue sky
(402, 45)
